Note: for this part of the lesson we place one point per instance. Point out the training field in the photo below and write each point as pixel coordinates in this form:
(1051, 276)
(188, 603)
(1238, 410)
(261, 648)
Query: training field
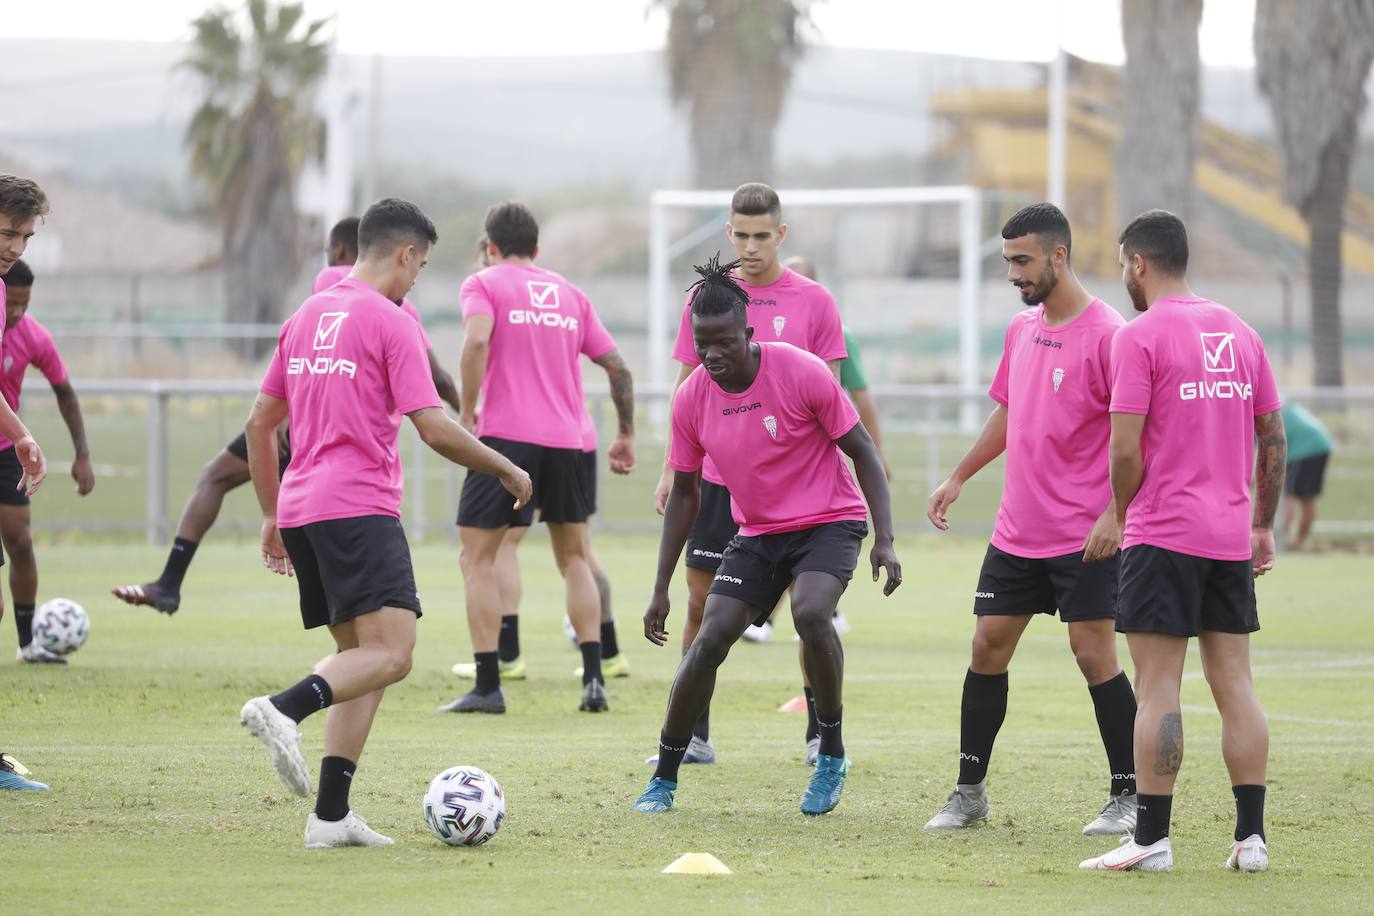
(162, 802)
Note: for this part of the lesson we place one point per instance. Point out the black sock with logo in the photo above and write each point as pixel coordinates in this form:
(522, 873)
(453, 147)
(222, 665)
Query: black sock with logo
(591, 662)
(508, 642)
(828, 726)
(336, 778)
(981, 713)
(1249, 811)
(488, 672)
(610, 642)
(1114, 703)
(670, 753)
(1152, 818)
(23, 622)
(305, 698)
(178, 561)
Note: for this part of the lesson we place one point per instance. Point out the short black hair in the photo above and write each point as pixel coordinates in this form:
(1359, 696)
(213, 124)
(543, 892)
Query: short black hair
(20, 275)
(512, 228)
(21, 199)
(391, 222)
(1044, 220)
(345, 235)
(718, 292)
(1159, 237)
(756, 199)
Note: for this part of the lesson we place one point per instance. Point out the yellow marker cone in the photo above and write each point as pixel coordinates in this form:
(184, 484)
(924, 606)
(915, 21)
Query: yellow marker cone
(697, 863)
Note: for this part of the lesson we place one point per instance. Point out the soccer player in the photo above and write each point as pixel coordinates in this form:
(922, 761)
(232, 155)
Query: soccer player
(525, 332)
(27, 343)
(784, 306)
(228, 470)
(1191, 392)
(349, 364)
(1052, 389)
(777, 425)
(22, 205)
(1309, 449)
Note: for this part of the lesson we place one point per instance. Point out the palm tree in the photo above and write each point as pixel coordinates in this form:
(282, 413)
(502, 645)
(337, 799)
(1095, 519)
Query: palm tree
(249, 139)
(1159, 101)
(1312, 60)
(730, 62)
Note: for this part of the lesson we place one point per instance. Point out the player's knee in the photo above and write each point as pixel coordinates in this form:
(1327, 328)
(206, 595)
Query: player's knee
(398, 662)
(1098, 663)
(813, 624)
(20, 547)
(708, 649)
(473, 562)
(990, 650)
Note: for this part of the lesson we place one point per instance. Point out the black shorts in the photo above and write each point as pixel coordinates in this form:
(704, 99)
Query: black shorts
(346, 567)
(559, 493)
(1178, 594)
(1304, 478)
(1011, 586)
(758, 570)
(713, 529)
(238, 447)
(588, 468)
(11, 472)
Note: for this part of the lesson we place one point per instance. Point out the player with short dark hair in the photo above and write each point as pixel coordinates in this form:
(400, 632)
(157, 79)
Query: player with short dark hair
(526, 330)
(27, 343)
(777, 424)
(228, 470)
(22, 205)
(783, 306)
(1052, 389)
(349, 365)
(1192, 390)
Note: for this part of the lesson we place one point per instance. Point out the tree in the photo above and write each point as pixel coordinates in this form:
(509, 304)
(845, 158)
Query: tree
(1312, 60)
(1159, 101)
(730, 62)
(249, 139)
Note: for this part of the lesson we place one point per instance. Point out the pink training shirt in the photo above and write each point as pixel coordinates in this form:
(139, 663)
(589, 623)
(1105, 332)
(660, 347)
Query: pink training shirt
(792, 309)
(336, 272)
(542, 326)
(1056, 385)
(349, 365)
(26, 344)
(1201, 377)
(774, 443)
(588, 431)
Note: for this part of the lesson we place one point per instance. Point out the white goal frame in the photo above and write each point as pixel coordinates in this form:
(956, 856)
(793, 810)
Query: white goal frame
(663, 308)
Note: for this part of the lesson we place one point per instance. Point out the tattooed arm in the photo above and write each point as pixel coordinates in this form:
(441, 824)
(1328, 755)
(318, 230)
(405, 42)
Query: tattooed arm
(1271, 460)
(622, 452)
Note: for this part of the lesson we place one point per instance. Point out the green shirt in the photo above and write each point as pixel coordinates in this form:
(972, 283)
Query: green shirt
(852, 376)
(1307, 437)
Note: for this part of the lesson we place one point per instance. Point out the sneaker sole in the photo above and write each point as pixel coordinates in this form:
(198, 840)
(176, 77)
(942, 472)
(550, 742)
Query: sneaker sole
(290, 767)
(976, 822)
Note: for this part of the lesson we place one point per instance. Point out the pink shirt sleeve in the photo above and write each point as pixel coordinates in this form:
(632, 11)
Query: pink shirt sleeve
(1132, 384)
(831, 405)
(827, 336)
(48, 360)
(1266, 389)
(685, 452)
(596, 340)
(409, 308)
(998, 389)
(473, 298)
(407, 368)
(685, 350)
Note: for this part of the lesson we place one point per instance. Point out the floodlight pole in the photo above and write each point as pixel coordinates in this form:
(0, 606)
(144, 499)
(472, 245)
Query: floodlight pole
(970, 322)
(1056, 190)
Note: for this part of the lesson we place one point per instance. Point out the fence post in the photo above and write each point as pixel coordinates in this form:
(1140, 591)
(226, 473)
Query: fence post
(157, 466)
(417, 493)
(933, 444)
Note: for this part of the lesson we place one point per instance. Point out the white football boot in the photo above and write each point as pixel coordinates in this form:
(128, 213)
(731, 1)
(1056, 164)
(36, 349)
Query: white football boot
(1129, 856)
(1250, 854)
(1117, 817)
(351, 831)
(966, 806)
(283, 739)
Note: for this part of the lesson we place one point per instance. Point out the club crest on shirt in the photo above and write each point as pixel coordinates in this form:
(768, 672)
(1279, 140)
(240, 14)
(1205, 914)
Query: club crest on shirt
(770, 423)
(1058, 377)
(779, 322)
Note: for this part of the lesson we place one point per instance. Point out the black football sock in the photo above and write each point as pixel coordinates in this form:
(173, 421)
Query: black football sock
(702, 730)
(336, 778)
(1152, 818)
(1114, 703)
(610, 643)
(832, 745)
(591, 662)
(178, 561)
(309, 696)
(23, 622)
(508, 643)
(812, 729)
(670, 754)
(488, 672)
(982, 711)
(1249, 811)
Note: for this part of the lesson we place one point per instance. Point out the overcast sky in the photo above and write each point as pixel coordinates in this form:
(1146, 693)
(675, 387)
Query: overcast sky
(1007, 29)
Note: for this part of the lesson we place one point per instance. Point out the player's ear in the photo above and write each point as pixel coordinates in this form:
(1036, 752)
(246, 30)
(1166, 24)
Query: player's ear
(782, 232)
(748, 333)
(730, 231)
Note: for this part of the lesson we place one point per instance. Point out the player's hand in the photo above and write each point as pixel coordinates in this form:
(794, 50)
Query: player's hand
(517, 482)
(655, 617)
(274, 555)
(883, 556)
(622, 454)
(940, 501)
(34, 464)
(1104, 540)
(83, 475)
(665, 484)
(469, 422)
(1261, 550)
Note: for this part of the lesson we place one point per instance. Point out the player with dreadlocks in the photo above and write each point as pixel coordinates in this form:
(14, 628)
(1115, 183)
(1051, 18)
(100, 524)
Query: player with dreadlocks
(777, 424)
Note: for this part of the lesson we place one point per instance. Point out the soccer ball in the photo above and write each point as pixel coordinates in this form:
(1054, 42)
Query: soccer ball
(61, 626)
(464, 806)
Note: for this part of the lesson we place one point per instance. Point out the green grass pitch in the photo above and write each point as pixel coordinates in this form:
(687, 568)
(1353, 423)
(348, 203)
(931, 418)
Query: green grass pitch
(161, 801)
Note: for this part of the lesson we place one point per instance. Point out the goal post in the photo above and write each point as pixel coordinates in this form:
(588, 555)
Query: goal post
(663, 308)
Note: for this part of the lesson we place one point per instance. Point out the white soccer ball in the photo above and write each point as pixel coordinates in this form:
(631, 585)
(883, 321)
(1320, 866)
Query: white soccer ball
(61, 625)
(464, 806)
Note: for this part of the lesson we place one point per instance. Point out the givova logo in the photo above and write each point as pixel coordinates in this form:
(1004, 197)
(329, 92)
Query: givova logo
(1216, 389)
(732, 579)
